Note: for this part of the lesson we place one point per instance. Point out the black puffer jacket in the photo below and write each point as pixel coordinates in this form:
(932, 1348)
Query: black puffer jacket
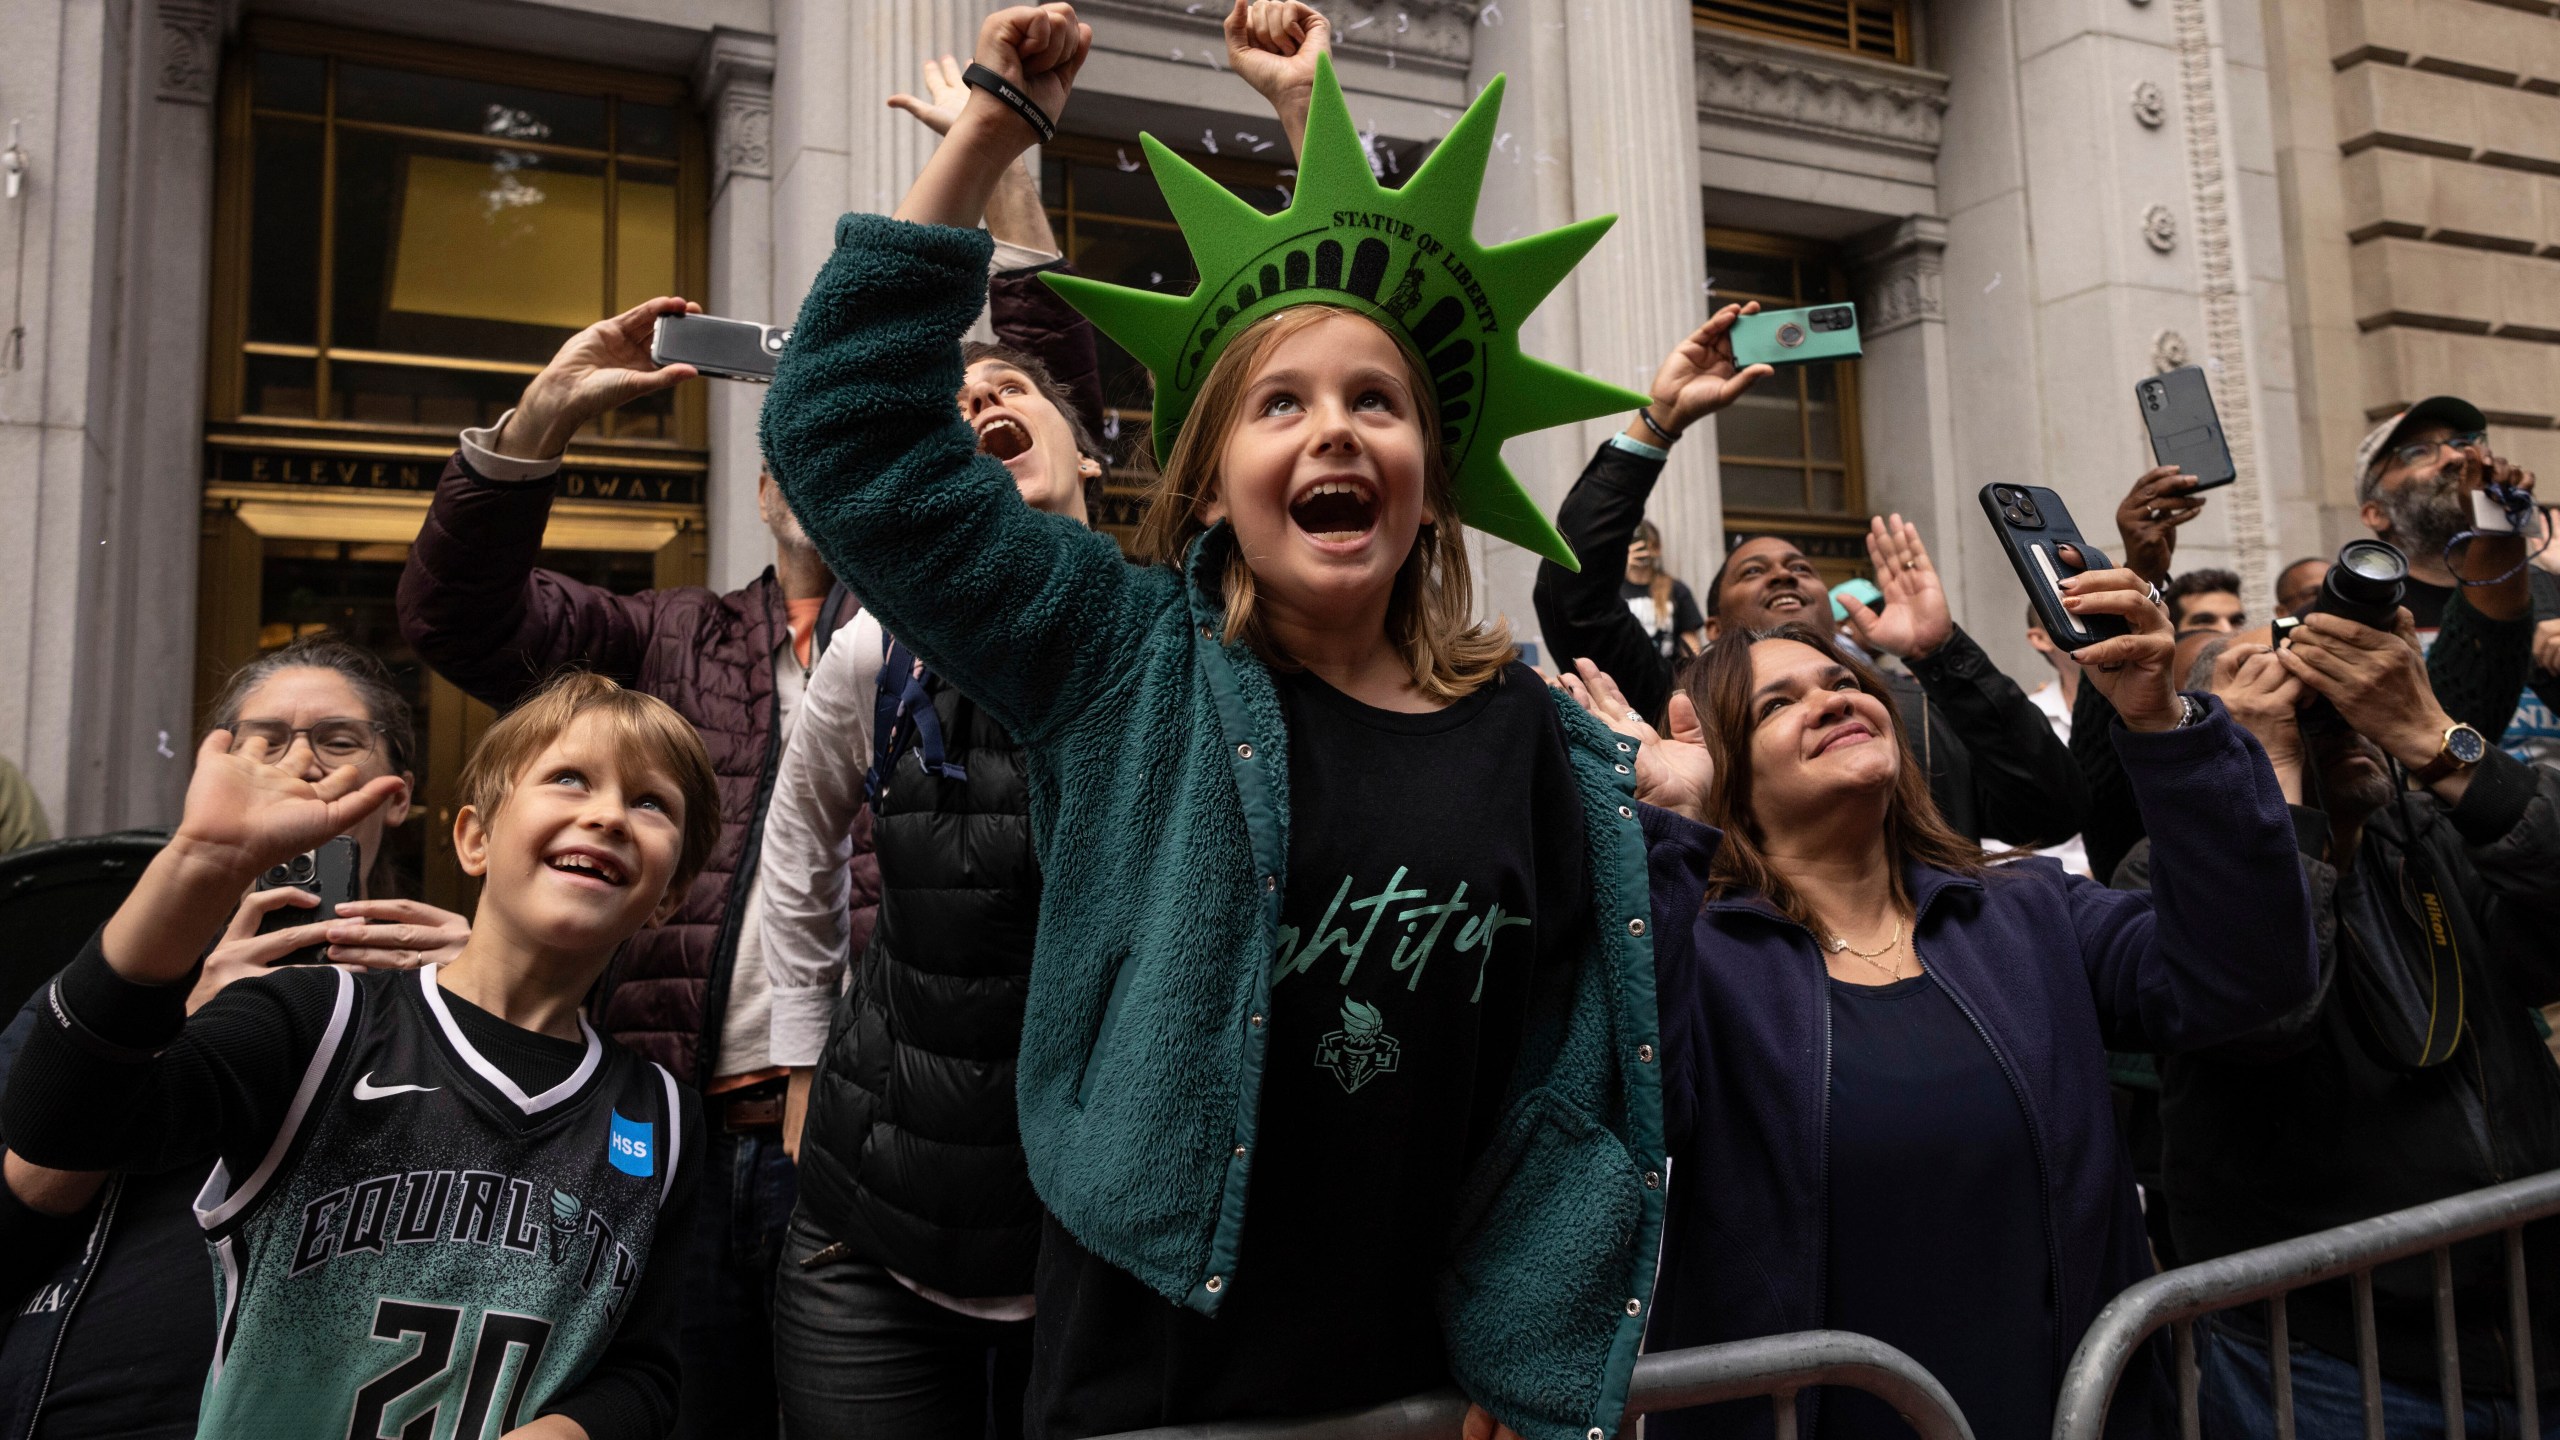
(911, 1157)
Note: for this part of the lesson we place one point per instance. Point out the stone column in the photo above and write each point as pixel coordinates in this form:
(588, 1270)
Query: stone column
(837, 146)
(1632, 85)
(1905, 423)
(735, 85)
(101, 393)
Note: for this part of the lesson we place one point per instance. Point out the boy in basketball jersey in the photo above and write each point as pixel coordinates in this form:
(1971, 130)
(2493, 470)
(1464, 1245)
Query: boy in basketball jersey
(437, 1196)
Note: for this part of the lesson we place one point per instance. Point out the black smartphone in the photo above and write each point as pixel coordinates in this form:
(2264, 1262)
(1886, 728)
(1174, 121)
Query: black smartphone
(722, 349)
(2031, 522)
(2177, 409)
(328, 872)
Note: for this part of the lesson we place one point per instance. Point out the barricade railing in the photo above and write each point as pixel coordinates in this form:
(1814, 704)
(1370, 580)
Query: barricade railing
(1777, 1366)
(2178, 1298)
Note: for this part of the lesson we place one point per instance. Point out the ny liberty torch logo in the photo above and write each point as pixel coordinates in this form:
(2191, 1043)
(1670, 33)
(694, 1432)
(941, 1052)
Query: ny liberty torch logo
(1361, 1050)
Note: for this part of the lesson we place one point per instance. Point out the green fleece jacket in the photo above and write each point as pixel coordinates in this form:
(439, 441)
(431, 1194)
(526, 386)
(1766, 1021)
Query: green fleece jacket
(1160, 806)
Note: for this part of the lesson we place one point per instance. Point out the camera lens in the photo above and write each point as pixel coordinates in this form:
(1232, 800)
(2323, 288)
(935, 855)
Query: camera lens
(2003, 494)
(1834, 317)
(302, 869)
(2375, 561)
(2366, 584)
(1791, 334)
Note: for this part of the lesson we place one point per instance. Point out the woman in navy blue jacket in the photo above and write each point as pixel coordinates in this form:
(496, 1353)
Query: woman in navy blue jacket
(1885, 1074)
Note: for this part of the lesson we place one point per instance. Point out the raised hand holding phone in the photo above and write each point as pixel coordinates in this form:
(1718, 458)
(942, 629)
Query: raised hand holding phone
(243, 814)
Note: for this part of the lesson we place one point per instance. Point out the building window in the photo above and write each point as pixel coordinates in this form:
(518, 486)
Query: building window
(417, 230)
(404, 233)
(1113, 225)
(1879, 28)
(1788, 450)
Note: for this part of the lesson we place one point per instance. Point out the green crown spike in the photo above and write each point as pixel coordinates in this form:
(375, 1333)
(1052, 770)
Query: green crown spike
(1406, 258)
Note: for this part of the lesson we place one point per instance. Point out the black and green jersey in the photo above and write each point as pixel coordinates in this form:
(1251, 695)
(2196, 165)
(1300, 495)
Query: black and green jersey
(425, 1251)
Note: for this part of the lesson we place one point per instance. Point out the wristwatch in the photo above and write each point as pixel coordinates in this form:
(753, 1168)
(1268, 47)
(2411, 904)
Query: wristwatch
(2463, 748)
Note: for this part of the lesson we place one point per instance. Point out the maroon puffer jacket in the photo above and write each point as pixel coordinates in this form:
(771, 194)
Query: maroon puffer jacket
(474, 607)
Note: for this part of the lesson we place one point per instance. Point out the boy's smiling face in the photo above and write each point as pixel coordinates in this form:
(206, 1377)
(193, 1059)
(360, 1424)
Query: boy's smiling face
(580, 854)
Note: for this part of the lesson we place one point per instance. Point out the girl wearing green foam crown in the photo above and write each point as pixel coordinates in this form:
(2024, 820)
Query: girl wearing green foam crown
(1338, 1074)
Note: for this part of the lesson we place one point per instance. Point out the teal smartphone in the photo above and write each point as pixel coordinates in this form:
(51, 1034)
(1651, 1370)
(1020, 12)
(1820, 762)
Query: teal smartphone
(1797, 337)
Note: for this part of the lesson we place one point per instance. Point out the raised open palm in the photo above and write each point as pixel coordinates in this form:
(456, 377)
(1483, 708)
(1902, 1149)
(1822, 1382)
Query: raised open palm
(1676, 771)
(1914, 621)
(251, 814)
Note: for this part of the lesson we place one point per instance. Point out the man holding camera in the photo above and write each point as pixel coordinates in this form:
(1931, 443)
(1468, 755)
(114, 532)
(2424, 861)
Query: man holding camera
(2425, 484)
(2416, 1073)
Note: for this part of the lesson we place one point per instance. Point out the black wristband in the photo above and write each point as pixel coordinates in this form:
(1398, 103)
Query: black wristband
(1646, 415)
(979, 77)
(87, 1039)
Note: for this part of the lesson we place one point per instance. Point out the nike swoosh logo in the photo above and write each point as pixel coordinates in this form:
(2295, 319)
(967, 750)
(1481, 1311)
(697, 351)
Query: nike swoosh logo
(367, 1090)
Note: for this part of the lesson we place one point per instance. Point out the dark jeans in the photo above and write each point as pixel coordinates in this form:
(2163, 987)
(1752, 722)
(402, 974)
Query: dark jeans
(2328, 1398)
(862, 1355)
(725, 1343)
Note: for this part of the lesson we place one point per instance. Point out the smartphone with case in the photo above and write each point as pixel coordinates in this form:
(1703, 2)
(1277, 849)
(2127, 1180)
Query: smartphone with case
(722, 349)
(2177, 409)
(2031, 522)
(1796, 337)
(329, 873)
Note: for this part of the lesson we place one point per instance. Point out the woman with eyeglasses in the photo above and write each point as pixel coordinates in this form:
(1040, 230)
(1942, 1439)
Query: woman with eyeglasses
(105, 1273)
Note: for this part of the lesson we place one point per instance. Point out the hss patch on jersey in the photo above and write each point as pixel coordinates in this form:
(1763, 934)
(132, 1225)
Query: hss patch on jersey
(426, 1251)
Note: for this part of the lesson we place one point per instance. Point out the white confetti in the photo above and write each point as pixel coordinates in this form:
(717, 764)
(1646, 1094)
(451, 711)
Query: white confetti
(165, 752)
(1209, 138)
(1285, 197)
(1110, 427)
(1155, 277)
(1491, 15)
(1265, 145)
(1404, 22)
(1357, 24)
(1126, 164)
(1289, 173)
(1190, 9)
(2213, 363)
(1994, 285)
(1177, 54)
(1247, 136)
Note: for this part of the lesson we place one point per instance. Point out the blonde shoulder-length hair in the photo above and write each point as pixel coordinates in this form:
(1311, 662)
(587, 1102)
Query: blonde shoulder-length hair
(1430, 617)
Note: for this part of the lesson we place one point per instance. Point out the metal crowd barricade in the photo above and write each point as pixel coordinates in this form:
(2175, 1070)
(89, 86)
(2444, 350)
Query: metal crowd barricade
(1777, 1366)
(2177, 1297)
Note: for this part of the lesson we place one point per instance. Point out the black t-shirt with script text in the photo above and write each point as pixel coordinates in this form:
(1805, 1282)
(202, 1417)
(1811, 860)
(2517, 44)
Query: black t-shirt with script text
(1435, 899)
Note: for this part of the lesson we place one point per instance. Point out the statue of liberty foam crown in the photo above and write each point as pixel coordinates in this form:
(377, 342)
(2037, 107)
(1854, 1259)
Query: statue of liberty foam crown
(1407, 259)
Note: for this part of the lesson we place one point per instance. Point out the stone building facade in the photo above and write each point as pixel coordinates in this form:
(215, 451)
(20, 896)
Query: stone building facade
(2332, 208)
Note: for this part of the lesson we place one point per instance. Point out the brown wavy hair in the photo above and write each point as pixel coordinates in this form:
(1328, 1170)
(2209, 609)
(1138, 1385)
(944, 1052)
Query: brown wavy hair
(1720, 685)
(1430, 617)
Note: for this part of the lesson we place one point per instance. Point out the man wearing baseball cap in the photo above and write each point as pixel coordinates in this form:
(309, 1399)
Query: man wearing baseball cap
(2416, 473)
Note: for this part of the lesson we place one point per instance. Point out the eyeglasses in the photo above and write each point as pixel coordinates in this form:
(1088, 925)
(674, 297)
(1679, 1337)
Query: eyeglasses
(2419, 452)
(337, 741)
(2524, 522)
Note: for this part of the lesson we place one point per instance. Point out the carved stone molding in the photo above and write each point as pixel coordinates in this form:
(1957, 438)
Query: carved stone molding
(1791, 88)
(2160, 228)
(190, 50)
(735, 81)
(2221, 278)
(1900, 276)
(2149, 105)
(2168, 351)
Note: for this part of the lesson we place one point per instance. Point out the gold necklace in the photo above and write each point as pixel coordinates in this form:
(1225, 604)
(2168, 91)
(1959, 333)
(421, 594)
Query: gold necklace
(1839, 945)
